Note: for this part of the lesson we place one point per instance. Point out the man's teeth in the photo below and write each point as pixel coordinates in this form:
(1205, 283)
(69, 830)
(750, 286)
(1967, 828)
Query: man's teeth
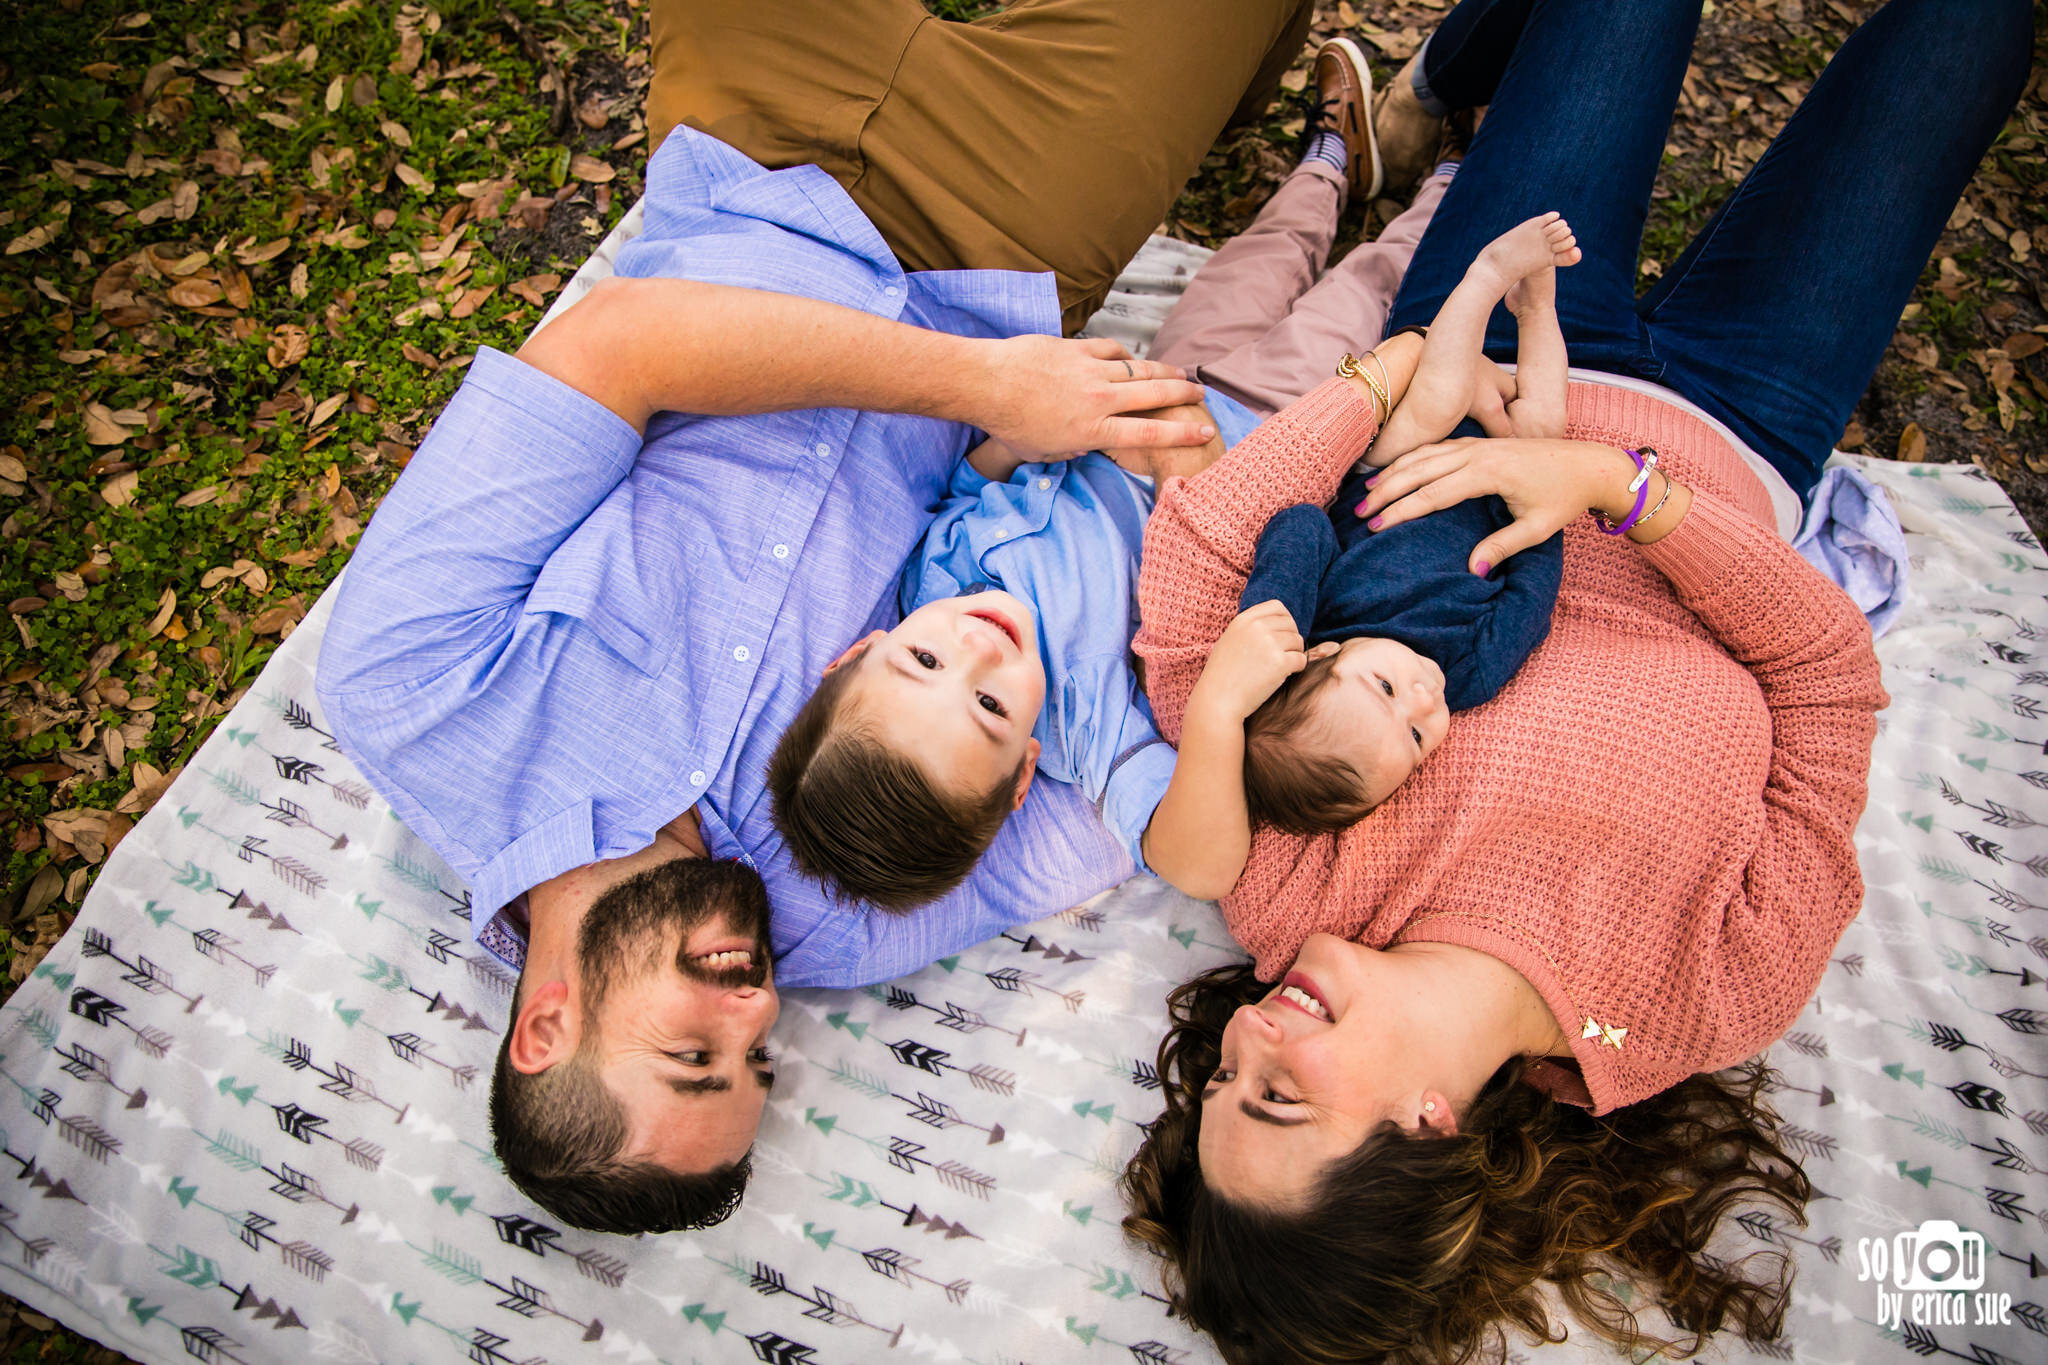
(1305, 1000)
(736, 957)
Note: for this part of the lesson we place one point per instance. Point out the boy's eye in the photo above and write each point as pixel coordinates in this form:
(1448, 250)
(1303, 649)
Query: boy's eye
(1386, 687)
(1273, 1097)
(760, 1056)
(990, 704)
(924, 657)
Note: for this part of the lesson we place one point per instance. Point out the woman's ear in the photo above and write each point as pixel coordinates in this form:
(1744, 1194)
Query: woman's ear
(1434, 1117)
(546, 1030)
(853, 651)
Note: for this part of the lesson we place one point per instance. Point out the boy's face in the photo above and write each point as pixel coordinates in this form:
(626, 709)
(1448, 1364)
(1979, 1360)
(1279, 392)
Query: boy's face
(958, 686)
(1383, 710)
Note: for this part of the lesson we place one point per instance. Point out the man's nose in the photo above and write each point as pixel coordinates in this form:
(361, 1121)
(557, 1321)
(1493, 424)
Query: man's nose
(749, 1004)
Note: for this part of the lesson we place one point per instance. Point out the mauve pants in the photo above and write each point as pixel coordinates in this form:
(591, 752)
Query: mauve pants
(1264, 321)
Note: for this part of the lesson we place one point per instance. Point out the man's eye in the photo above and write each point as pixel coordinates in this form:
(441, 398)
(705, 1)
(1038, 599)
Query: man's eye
(1386, 687)
(990, 704)
(925, 657)
(692, 1058)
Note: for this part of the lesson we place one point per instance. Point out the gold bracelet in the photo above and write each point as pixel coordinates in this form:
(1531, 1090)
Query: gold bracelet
(1647, 517)
(1349, 368)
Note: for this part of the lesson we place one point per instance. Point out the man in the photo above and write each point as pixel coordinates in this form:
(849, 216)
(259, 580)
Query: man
(578, 624)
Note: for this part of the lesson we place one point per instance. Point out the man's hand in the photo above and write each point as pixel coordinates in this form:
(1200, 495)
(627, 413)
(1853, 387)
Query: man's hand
(1160, 463)
(1260, 650)
(1049, 398)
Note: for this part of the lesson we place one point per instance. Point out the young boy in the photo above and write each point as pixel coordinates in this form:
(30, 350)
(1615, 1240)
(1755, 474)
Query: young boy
(1012, 658)
(1400, 631)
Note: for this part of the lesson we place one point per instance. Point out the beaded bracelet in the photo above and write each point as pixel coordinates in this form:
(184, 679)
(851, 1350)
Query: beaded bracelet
(1646, 460)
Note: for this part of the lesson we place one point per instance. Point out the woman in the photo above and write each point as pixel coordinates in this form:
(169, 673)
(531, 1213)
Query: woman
(1504, 995)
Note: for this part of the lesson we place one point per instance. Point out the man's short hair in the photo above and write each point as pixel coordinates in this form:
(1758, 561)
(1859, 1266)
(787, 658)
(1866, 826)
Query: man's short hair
(558, 1133)
(1289, 782)
(870, 822)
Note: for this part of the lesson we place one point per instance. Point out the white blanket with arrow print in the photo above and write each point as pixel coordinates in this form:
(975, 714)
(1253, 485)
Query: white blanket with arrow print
(243, 1099)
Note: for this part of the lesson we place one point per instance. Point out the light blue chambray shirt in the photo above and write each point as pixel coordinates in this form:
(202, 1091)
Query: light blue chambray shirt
(555, 637)
(1065, 538)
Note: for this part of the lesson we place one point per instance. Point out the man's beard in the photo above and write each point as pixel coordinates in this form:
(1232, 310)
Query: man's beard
(629, 926)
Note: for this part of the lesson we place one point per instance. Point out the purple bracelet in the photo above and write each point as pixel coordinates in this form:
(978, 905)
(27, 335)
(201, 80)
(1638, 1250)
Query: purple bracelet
(1646, 460)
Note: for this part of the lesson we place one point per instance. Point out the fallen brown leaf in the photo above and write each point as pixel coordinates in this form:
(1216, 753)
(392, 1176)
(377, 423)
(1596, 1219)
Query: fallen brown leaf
(195, 293)
(199, 497)
(1912, 444)
(589, 169)
(325, 409)
(2020, 345)
(165, 605)
(100, 427)
(418, 356)
(119, 491)
(256, 255)
(289, 344)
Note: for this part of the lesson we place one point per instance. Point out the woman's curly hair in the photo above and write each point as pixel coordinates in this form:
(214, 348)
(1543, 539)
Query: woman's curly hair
(1424, 1249)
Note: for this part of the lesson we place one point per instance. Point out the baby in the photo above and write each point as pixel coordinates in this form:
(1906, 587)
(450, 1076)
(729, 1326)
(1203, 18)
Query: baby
(1400, 630)
(1012, 658)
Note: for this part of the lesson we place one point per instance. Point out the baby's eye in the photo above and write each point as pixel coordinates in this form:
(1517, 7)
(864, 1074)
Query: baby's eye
(1386, 687)
(990, 704)
(1418, 736)
(924, 657)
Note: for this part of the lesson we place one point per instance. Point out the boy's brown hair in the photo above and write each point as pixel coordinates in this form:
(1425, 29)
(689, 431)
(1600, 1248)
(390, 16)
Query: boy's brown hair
(1288, 783)
(870, 822)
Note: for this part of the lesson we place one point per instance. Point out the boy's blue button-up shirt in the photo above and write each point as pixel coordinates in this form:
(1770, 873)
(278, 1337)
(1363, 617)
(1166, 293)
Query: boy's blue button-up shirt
(555, 637)
(1066, 538)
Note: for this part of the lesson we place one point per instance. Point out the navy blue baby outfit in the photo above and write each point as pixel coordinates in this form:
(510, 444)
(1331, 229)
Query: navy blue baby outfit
(1410, 583)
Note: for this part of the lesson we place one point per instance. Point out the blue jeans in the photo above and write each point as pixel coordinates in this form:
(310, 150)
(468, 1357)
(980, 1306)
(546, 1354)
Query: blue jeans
(1776, 315)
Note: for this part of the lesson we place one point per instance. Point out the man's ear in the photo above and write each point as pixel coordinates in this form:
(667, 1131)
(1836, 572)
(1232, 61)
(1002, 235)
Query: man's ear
(1024, 775)
(854, 651)
(546, 1030)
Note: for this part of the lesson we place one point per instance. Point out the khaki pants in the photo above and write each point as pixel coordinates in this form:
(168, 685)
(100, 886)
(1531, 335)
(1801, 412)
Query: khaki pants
(1052, 136)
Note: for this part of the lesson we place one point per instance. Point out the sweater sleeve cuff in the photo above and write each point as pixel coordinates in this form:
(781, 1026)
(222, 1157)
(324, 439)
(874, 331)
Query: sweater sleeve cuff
(1710, 544)
(1337, 410)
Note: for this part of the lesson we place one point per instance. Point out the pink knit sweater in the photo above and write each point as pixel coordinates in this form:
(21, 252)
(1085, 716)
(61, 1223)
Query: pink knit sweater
(1652, 822)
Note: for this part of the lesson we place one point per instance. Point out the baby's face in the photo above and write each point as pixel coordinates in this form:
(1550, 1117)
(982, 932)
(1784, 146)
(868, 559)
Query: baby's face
(959, 685)
(1383, 711)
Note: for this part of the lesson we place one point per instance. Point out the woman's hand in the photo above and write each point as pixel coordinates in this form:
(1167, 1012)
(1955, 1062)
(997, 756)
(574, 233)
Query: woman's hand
(1259, 650)
(1048, 398)
(1546, 484)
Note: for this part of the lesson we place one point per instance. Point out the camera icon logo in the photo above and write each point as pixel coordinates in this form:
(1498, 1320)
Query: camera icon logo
(1938, 1255)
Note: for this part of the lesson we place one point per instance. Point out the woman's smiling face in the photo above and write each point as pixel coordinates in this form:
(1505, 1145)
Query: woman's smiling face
(1309, 1072)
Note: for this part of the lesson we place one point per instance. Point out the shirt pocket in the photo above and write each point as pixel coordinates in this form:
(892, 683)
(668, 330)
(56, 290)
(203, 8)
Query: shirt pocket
(625, 584)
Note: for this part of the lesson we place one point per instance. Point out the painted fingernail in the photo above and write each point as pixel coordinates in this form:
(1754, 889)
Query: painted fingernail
(1484, 568)
(1375, 522)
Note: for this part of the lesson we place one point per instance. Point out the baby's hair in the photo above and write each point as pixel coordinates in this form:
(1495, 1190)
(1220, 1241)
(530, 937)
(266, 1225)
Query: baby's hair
(1290, 783)
(870, 822)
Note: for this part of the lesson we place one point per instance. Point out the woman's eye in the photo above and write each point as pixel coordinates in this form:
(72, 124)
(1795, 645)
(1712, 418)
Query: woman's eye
(1222, 1076)
(925, 657)
(990, 704)
(1386, 687)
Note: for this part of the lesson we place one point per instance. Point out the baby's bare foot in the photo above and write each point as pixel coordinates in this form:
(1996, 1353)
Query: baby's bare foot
(1540, 244)
(1537, 290)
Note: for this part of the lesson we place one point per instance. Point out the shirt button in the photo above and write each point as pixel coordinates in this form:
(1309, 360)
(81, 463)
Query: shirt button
(697, 778)
(1045, 483)
(782, 552)
(823, 450)
(741, 654)
(891, 290)
(1000, 532)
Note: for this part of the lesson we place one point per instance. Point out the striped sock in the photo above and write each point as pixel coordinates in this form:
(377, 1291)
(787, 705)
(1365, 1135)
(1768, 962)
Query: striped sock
(1328, 148)
(1446, 169)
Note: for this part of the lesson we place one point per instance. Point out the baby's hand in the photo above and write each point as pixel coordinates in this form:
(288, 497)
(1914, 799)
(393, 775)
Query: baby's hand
(1260, 650)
